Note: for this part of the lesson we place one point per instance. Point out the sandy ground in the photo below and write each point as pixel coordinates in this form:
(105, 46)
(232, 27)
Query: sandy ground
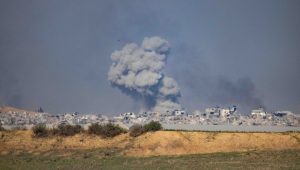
(154, 143)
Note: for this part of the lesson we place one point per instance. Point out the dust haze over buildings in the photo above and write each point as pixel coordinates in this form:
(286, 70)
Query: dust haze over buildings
(56, 54)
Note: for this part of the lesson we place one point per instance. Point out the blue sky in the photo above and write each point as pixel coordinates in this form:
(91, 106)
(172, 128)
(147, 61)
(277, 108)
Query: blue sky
(56, 54)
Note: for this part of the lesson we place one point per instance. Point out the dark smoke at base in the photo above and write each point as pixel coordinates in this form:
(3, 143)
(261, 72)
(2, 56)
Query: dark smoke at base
(10, 94)
(220, 91)
(242, 91)
(146, 102)
(137, 72)
(204, 89)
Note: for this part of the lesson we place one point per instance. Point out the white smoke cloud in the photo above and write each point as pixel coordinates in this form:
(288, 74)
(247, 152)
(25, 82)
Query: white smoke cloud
(170, 87)
(137, 70)
(156, 44)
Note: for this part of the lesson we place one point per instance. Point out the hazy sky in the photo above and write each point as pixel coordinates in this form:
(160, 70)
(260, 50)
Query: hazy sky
(56, 54)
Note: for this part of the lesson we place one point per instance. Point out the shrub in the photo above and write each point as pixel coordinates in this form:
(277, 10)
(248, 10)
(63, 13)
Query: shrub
(78, 129)
(40, 130)
(152, 126)
(95, 128)
(66, 130)
(106, 130)
(111, 130)
(136, 130)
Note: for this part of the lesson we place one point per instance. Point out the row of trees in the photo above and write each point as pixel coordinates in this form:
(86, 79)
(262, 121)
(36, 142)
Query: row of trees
(106, 130)
(41, 130)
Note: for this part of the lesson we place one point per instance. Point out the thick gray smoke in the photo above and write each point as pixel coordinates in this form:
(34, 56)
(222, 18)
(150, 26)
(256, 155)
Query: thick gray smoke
(137, 71)
(204, 88)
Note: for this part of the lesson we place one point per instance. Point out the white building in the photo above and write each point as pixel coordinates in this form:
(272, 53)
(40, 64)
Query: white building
(179, 112)
(212, 110)
(258, 112)
(225, 112)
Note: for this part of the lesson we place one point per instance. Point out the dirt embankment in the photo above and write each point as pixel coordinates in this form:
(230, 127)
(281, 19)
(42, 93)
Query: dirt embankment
(154, 143)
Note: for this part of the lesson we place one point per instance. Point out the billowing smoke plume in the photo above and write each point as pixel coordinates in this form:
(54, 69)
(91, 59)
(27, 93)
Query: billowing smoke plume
(137, 71)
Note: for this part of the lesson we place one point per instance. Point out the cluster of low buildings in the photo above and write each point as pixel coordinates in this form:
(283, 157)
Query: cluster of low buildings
(13, 119)
(21, 118)
(210, 116)
(215, 116)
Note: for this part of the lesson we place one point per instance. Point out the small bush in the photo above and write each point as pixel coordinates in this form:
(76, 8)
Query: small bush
(152, 126)
(66, 130)
(107, 130)
(40, 130)
(111, 130)
(136, 130)
(95, 129)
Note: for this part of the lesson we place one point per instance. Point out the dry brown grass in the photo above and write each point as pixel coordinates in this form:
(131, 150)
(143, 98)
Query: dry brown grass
(176, 143)
(153, 143)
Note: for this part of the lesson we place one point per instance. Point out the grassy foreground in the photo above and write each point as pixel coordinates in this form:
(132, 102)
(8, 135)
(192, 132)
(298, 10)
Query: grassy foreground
(105, 159)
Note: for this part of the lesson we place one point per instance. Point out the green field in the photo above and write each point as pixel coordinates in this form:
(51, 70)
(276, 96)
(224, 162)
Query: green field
(108, 159)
